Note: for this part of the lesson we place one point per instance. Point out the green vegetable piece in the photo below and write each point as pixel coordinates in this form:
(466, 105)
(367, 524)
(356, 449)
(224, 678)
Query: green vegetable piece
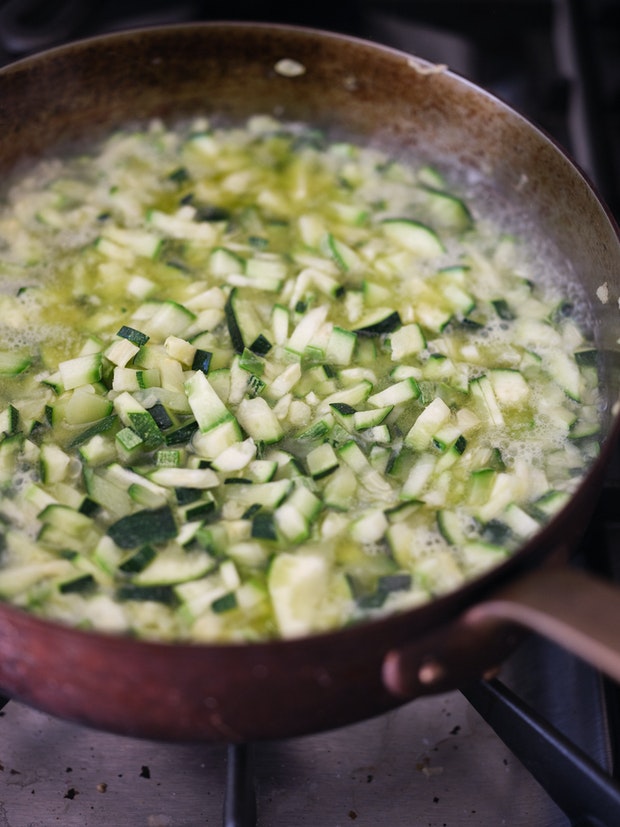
(159, 594)
(13, 363)
(148, 526)
(251, 362)
(146, 427)
(200, 510)
(503, 310)
(587, 357)
(342, 408)
(374, 600)
(261, 345)
(225, 603)
(182, 435)
(255, 386)
(209, 212)
(395, 582)
(179, 175)
(236, 334)
(139, 560)
(384, 325)
(100, 427)
(79, 585)
(168, 458)
(202, 360)
(264, 526)
(161, 416)
(133, 335)
(89, 507)
(129, 439)
(9, 420)
(185, 496)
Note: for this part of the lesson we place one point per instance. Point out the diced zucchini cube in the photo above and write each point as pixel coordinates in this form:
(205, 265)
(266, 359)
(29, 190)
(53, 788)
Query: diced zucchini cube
(322, 461)
(83, 370)
(407, 341)
(208, 409)
(180, 349)
(259, 421)
(413, 236)
(429, 421)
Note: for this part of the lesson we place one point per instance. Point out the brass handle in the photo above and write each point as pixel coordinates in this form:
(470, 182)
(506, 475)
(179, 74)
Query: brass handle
(570, 607)
(575, 609)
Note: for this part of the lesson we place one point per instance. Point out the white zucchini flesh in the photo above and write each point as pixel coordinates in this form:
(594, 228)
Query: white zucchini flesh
(294, 385)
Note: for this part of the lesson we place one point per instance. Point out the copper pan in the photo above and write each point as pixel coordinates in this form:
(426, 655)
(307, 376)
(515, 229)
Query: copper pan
(371, 93)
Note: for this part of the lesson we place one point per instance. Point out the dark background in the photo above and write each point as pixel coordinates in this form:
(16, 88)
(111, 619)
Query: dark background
(557, 61)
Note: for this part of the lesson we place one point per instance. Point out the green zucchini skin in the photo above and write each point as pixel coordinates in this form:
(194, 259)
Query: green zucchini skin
(142, 527)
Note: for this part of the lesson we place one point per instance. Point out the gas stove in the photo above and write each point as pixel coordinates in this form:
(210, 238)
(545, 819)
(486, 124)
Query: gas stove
(434, 762)
(537, 746)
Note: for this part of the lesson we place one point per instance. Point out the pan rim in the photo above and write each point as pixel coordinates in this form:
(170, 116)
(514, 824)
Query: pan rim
(468, 593)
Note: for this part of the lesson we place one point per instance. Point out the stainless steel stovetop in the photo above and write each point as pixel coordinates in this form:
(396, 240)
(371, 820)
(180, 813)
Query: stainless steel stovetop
(433, 763)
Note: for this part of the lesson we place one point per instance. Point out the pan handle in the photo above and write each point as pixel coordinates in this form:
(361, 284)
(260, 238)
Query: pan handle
(575, 609)
(570, 607)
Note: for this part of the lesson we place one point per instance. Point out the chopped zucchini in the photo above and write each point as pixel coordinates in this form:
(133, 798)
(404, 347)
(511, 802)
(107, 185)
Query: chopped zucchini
(294, 385)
